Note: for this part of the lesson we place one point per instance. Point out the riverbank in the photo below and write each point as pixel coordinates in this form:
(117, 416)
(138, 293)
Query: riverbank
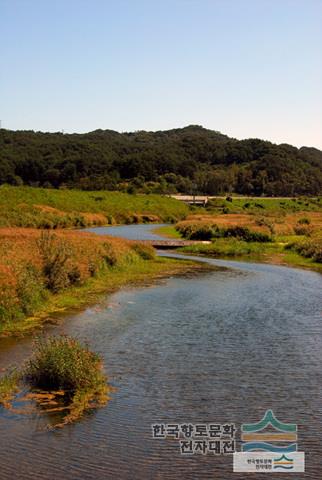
(45, 275)
(273, 255)
(280, 252)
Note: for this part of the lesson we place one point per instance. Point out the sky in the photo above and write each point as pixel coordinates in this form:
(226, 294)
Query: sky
(247, 68)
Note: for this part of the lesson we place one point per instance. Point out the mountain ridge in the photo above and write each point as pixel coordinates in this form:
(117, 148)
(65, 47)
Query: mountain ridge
(186, 159)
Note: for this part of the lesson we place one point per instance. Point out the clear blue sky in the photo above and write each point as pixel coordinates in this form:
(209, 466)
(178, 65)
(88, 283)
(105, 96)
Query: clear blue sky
(248, 68)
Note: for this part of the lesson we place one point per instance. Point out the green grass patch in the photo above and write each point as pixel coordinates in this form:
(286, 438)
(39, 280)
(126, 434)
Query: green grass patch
(273, 253)
(230, 247)
(309, 247)
(264, 205)
(50, 208)
(168, 231)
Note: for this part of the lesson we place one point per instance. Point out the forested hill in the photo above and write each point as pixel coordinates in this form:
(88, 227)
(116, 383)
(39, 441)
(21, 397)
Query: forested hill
(190, 159)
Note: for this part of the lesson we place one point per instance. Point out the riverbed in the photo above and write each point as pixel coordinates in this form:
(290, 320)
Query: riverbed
(221, 347)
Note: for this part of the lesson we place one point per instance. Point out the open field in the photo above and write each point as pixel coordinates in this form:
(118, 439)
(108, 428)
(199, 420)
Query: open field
(50, 208)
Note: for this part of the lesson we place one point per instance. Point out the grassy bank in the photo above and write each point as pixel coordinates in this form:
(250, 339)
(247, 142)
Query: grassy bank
(49, 208)
(42, 272)
(293, 239)
(273, 253)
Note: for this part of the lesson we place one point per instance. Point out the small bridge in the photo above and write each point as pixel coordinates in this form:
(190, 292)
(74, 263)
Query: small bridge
(167, 244)
(192, 199)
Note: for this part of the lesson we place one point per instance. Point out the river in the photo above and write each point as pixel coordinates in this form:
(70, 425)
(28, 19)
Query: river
(220, 347)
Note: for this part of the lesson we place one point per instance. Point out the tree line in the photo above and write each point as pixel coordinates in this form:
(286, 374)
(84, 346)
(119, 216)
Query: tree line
(186, 160)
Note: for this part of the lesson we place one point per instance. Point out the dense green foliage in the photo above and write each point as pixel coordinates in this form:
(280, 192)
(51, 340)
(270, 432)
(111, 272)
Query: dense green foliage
(230, 247)
(50, 208)
(203, 231)
(308, 247)
(191, 159)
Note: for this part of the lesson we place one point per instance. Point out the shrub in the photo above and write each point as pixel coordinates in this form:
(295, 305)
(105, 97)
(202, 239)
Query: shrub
(146, 252)
(55, 252)
(201, 232)
(303, 229)
(308, 248)
(244, 233)
(196, 231)
(304, 221)
(110, 256)
(264, 222)
(74, 275)
(9, 304)
(64, 363)
(207, 231)
(30, 289)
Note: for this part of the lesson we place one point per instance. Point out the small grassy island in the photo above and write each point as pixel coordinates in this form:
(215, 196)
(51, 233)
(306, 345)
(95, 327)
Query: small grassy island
(63, 375)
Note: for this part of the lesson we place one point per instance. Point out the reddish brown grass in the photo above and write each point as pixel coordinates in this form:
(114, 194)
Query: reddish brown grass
(282, 224)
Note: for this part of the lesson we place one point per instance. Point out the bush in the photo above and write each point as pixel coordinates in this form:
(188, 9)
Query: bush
(304, 221)
(30, 289)
(264, 222)
(9, 304)
(74, 274)
(309, 248)
(55, 253)
(208, 231)
(110, 256)
(303, 229)
(146, 252)
(244, 233)
(65, 364)
(196, 231)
